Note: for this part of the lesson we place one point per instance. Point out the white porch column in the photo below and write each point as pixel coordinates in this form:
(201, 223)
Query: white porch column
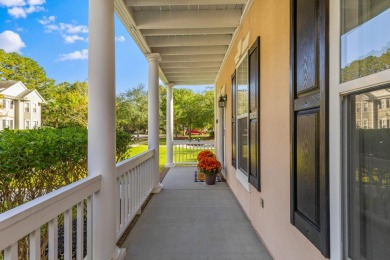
(169, 119)
(101, 127)
(153, 116)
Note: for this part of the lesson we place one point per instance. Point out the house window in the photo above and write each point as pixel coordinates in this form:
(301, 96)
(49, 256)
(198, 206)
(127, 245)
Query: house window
(245, 117)
(365, 106)
(27, 107)
(27, 124)
(384, 123)
(8, 103)
(34, 107)
(368, 178)
(35, 124)
(242, 116)
(364, 38)
(363, 63)
(8, 123)
(357, 123)
(365, 124)
(358, 107)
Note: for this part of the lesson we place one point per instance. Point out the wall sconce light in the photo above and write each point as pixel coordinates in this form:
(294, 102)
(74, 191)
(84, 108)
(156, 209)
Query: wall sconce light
(222, 101)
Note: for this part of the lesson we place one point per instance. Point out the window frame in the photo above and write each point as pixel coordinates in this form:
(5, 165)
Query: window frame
(338, 122)
(240, 175)
(27, 124)
(27, 106)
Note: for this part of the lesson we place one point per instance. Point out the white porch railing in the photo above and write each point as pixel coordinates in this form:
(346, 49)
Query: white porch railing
(185, 152)
(134, 183)
(28, 220)
(133, 186)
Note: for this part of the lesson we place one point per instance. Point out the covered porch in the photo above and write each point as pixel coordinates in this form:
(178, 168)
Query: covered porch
(192, 220)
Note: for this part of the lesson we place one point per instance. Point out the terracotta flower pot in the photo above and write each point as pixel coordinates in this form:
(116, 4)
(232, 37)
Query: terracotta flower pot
(210, 179)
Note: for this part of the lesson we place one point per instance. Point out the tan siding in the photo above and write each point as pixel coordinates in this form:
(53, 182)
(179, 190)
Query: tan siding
(270, 20)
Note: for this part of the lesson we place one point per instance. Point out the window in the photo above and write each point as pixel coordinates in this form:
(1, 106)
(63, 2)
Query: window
(368, 179)
(357, 123)
(245, 115)
(27, 124)
(382, 104)
(364, 38)
(35, 124)
(27, 107)
(365, 107)
(34, 107)
(8, 123)
(384, 123)
(12, 104)
(365, 124)
(8, 103)
(358, 108)
(242, 116)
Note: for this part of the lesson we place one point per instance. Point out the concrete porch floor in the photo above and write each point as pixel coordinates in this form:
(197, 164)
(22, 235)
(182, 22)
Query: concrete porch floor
(190, 220)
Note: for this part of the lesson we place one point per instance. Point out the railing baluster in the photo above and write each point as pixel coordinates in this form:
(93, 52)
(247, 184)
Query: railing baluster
(80, 231)
(89, 227)
(11, 252)
(53, 239)
(122, 200)
(125, 199)
(35, 244)
(68, 234)
(118, 206)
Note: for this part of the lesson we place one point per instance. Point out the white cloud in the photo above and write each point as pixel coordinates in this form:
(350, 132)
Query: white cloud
(17, 12)
(46, 20)
(21, 8)
(12, 3)
(120, 38)
(76, 55)
(69, 32)
(72, 38)
(11, 42)
(36, 2)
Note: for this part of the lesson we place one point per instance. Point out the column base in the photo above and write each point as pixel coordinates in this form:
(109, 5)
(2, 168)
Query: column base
(157, 189)
(119, 254)
(169, 165)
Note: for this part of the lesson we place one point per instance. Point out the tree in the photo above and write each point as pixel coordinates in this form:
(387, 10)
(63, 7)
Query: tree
(67, 105)
(193, 110)
(132, 110)
(13, 66)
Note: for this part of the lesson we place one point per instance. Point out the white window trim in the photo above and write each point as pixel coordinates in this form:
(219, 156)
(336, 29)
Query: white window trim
(336, 93)
(240, 176)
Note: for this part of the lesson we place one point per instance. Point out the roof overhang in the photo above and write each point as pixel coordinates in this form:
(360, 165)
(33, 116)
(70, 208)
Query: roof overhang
(193, 37)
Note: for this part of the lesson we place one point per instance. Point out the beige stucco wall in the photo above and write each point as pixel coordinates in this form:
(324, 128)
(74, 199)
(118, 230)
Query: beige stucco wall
(270, 20)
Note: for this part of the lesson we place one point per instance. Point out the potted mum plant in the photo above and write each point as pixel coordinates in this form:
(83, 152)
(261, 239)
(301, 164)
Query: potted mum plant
(201, 155)
(210, 167)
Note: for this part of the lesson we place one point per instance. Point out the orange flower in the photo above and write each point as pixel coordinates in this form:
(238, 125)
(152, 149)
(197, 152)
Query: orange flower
(209, 165)
(205, 153)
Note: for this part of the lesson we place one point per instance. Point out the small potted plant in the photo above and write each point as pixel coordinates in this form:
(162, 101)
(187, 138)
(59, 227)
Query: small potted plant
(201, 155)
(210, 167)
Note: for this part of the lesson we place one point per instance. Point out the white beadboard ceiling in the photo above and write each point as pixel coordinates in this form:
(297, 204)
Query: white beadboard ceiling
(192, 36)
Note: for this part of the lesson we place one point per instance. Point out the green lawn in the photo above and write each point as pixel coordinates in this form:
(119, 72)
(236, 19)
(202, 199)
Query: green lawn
(134, 150)
(188, 155)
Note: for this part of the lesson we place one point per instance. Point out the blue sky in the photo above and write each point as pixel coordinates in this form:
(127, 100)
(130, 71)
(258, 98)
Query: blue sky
(55, 34)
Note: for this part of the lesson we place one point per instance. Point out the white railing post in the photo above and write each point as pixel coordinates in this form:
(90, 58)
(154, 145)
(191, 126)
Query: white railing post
(101, 126)
(169, 118)
(153, 117)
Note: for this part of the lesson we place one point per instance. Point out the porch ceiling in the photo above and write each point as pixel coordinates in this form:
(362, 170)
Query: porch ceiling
(192, 36)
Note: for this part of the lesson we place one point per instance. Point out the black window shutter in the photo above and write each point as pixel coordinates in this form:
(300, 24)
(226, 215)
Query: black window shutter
(309, 121)
(254, 114)
(234, 93)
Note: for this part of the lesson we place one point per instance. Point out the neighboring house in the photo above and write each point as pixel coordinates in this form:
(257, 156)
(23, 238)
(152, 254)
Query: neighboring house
(20, 108)
(373, 110)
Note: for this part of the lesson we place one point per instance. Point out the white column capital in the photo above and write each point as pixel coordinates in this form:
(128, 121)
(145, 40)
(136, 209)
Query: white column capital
(170, 85)
(153, 57)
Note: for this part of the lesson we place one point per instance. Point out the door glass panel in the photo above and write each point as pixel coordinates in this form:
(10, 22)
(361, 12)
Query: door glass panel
(365, 38)
(369, 176)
